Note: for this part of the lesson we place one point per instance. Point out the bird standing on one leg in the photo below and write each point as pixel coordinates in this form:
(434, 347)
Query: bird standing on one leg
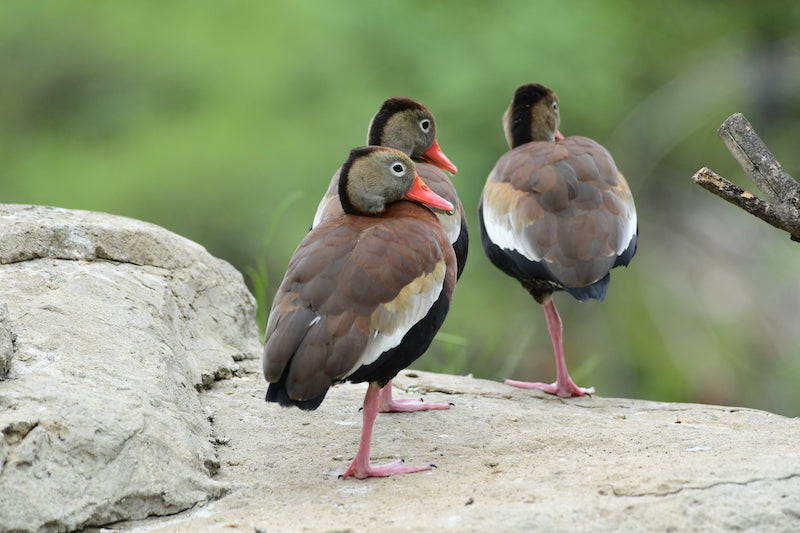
(364, 293)
(407, 125)
(555, 214)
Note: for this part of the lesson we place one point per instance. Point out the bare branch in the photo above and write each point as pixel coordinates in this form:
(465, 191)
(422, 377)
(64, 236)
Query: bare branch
(783, 192)
(756, 160)
(711, 181)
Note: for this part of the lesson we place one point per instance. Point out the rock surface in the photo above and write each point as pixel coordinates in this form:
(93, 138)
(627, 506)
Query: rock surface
(130, 386)
(7, 339)
(508, 460)
(108, 328)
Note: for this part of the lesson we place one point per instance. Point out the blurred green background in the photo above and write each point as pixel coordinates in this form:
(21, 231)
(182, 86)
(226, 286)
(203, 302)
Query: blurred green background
(224, 121)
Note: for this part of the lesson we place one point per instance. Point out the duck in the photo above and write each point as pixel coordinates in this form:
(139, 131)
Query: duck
(409, 126)
(557, 215)
(364, 293)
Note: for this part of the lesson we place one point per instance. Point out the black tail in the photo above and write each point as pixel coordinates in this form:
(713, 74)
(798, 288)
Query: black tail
(277, 393)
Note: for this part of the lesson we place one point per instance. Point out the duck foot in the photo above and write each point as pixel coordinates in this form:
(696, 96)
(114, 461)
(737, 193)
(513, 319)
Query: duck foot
(563, 387)
(360, 467)
(404, 405)
(362, 471)
(563, 390)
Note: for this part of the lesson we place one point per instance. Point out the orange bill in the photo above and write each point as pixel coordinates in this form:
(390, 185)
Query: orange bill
(422, 194)
(435, 156)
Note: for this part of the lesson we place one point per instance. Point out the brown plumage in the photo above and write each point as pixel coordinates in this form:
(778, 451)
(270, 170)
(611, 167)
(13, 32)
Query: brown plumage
(364, 293)
(556, 214)
(399, 124)
(409, 126)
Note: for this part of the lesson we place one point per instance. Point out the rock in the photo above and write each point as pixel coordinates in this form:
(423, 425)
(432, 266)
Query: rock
(508, 460)
(113, 332)
(7, 339)
(109, 327)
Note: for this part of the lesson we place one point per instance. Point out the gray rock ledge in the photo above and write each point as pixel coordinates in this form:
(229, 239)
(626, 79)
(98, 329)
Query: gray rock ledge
(109, 327)
(508, 460)
(114, 335)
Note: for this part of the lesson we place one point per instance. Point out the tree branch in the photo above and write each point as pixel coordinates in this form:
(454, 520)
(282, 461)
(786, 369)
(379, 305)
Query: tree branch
(755, 158)
(711, 181)
(783, 192)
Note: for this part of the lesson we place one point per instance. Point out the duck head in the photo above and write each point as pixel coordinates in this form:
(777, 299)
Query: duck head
(406, 125)
(374, 177)
(532, 116)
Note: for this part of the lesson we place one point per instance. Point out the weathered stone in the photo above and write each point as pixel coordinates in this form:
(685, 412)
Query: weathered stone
(508, 460)
(7, 339)
(112, 327)
(116, 330)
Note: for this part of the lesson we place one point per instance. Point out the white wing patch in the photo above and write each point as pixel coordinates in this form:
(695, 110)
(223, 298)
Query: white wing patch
(451, 224)
(391, 321)
(502, 223)
(629, 218)
(319, 216)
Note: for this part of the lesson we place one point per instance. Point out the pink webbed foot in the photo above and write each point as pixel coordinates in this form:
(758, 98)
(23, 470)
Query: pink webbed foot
(404, 405)
(363, 471)
(563, 386)
(360, 467)
(563, 390)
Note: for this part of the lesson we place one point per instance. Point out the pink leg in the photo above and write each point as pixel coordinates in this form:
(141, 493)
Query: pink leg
(563, 386)
(404, 405)
(360, 466)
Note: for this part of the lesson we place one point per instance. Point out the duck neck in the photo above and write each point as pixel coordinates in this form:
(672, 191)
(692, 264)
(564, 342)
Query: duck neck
(517, 122)
(344, 193)
(522, 127)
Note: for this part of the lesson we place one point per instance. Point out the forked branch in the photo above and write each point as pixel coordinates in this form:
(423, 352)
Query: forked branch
(782, 192)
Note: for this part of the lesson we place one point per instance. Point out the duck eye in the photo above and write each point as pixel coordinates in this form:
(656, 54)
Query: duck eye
(398, 169)
(425, 124)
(555, 106)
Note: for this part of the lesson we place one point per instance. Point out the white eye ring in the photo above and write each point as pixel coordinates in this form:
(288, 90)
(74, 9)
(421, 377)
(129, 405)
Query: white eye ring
(555, 106)
(425, 125)
(398, 168)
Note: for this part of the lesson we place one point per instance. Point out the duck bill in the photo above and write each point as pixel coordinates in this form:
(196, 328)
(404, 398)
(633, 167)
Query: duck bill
(423, 194)
(559, 136)
(436, 157)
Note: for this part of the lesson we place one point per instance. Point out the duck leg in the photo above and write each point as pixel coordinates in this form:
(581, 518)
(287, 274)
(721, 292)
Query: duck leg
(404, 405)
(563, 386)
(360, 467)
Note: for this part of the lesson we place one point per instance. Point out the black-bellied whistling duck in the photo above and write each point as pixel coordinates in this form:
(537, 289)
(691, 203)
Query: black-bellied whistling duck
(364, 293)
(555, 214)
(406, 125)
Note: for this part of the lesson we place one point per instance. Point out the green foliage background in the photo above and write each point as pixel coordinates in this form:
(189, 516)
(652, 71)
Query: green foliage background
(223, 121)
